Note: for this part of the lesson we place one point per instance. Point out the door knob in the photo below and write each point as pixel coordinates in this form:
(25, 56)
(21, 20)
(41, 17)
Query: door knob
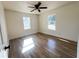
(7, 47)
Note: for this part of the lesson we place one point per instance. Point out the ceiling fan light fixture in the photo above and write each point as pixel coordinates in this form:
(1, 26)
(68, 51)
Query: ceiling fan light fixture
(37, 7)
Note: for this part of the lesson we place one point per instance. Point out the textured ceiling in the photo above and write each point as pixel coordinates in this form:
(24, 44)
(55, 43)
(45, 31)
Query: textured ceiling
(22, 6)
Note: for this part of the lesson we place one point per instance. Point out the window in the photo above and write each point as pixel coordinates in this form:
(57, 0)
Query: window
(52, 22)
(26, 22)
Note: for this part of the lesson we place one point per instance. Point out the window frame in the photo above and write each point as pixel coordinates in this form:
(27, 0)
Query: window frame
(29, 24)
(54, 15)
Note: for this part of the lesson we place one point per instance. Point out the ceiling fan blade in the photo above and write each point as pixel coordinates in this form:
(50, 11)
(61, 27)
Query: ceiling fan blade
(33, 10)
(31, 7)
(38, 4)
(39, 10)
(42, 7)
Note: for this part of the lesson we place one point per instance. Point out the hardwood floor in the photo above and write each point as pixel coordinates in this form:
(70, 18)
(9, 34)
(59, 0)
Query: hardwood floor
(42, 46)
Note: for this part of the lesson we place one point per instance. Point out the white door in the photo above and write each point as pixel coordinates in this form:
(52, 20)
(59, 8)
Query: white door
(78, 48)
(3, 34)
(3, 52)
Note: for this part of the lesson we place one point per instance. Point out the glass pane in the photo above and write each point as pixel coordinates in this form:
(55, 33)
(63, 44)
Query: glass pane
(26, 22)
(51, 22)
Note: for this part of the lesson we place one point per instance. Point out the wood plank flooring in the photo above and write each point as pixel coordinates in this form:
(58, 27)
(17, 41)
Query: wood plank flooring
(42, 46)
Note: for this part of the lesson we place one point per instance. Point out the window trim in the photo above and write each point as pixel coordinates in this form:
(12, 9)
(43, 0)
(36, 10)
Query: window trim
(53, 25)
(30, 23)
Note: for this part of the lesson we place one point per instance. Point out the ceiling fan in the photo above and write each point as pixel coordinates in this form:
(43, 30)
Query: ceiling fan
(37, 7)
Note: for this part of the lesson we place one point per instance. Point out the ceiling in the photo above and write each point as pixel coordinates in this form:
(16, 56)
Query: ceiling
(22, 6)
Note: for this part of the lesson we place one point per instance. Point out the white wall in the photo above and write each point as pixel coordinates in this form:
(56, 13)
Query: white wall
(15, 24)
(66, 21)
(78, 42)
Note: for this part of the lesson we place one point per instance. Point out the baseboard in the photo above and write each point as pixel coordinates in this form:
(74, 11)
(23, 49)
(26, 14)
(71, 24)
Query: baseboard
(48, 35)
(23, 36)
(59, 37)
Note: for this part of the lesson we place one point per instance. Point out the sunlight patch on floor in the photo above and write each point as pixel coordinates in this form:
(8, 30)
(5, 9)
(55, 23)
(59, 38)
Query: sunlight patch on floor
(27, 45)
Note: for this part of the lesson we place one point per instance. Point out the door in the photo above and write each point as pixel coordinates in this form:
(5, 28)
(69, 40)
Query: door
(2, 50)
(78, 48)
(3, 34)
